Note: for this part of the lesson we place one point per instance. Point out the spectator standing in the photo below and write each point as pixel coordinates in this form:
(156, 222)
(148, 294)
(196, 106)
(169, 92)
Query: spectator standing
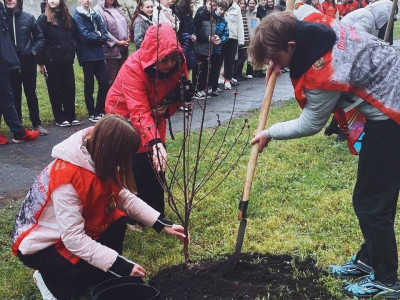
(150, 75)
(252, 22)
(329, 8)
(142, 19)
(92, 35)
(221, 35)
(236, 38)
(116, 48)
(204, 23)
(8, 63)
(281, 6)
(187, 32)
(264, 8)
(56, 60)
(71, 226)
(166, 15)
(28, 40)
(242, 49)
(317, 5)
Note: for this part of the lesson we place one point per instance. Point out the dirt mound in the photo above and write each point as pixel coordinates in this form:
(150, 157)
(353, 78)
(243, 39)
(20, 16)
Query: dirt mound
(255, 275)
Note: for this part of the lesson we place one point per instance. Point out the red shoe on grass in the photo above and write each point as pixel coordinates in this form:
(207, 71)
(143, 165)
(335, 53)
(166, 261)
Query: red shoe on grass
(3, 140)
(29, 135)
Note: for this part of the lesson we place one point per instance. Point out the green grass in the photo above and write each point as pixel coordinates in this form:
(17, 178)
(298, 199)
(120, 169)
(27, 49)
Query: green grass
(300, 205)
(396, 30)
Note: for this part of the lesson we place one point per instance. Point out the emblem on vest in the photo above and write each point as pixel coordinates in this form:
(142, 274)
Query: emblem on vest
(319, 64)
(111, 205)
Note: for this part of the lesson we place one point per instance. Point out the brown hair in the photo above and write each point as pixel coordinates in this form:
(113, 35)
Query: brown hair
(224, 4)
(272, 35)
(51, 15)
(112, 145)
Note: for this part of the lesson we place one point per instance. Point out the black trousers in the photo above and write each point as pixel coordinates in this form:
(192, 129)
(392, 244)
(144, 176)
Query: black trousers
(199, 74)
(229, 50)
(26, 76)
(216, 63)
(242, 57)
(375, 197)
(65, 280)
(147, 182)
(7, 108)
(96, 69)
(61, 89)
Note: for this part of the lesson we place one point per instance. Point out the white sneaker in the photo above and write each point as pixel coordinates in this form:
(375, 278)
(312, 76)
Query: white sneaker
(64, 124)
(98, 117)
(228, 85)
(75, 123)
(219, 90)
(41, 130)
(249, 76)
(44, 291)
(221, 80)
(93, 119)
(201, 95)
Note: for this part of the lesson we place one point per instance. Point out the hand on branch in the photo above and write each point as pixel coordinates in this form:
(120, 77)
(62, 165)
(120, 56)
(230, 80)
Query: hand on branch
(159, 111)
(262, 139)
(159, 157)
(177, 230)
(138, 271)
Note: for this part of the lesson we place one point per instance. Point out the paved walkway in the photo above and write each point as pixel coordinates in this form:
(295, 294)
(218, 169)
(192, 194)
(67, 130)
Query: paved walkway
(21, 163)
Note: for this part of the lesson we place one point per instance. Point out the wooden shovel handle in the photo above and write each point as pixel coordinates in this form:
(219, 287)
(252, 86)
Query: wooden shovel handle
(262, 120)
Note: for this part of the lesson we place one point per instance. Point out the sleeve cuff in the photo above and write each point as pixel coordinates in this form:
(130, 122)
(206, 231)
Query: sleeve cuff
(155, 141)
(161, 223)
(121, 266)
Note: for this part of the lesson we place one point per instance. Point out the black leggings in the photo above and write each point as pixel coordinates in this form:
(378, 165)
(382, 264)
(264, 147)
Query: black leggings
(65, 280)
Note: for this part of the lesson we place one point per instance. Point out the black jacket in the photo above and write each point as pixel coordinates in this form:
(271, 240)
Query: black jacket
(28, 37)
(8, 56)
(205, 27)
(60, 43)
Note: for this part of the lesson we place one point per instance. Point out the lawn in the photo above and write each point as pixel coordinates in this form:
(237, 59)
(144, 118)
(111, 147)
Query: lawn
(300, 205)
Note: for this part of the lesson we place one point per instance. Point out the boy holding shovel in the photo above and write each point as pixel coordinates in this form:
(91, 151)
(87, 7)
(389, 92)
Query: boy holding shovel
(335, 68)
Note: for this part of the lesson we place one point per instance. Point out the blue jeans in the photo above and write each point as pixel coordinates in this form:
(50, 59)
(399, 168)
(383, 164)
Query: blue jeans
(7, 108)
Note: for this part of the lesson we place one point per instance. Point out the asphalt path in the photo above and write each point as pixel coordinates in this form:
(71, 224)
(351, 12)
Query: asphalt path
(21, 163)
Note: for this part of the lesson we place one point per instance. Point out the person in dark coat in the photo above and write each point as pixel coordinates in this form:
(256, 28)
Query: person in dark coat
(9, 62)
(28, 40)
(92, 35)
(56, 61)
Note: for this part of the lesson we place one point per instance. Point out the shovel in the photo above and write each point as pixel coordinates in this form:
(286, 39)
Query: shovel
(251, 167)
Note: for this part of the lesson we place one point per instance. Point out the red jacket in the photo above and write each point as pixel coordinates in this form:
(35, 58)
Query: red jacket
(133, 93)
(329, 9)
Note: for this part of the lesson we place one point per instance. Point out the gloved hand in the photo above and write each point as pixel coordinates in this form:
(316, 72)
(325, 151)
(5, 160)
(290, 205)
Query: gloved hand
(183, 92)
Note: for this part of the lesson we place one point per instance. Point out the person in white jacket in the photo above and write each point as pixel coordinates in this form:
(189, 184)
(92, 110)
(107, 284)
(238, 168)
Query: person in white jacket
(166, 15)
(71, 225)
(236, 37)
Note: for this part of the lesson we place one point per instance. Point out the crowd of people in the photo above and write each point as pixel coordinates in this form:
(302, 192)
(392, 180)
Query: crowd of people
(100, 38)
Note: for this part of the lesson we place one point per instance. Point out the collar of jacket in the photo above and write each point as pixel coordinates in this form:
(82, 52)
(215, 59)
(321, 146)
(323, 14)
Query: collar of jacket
(84, 12)
(313, 40)
(146, 17)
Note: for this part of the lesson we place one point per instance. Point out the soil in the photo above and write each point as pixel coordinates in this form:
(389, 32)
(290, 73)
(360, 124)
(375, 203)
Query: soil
(255, 275)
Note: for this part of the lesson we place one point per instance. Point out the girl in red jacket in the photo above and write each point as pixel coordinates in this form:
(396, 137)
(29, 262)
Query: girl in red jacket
(329, 8)
(147, 77)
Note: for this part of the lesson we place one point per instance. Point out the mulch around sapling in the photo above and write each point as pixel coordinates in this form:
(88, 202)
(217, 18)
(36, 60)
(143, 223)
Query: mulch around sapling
(255, 275)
